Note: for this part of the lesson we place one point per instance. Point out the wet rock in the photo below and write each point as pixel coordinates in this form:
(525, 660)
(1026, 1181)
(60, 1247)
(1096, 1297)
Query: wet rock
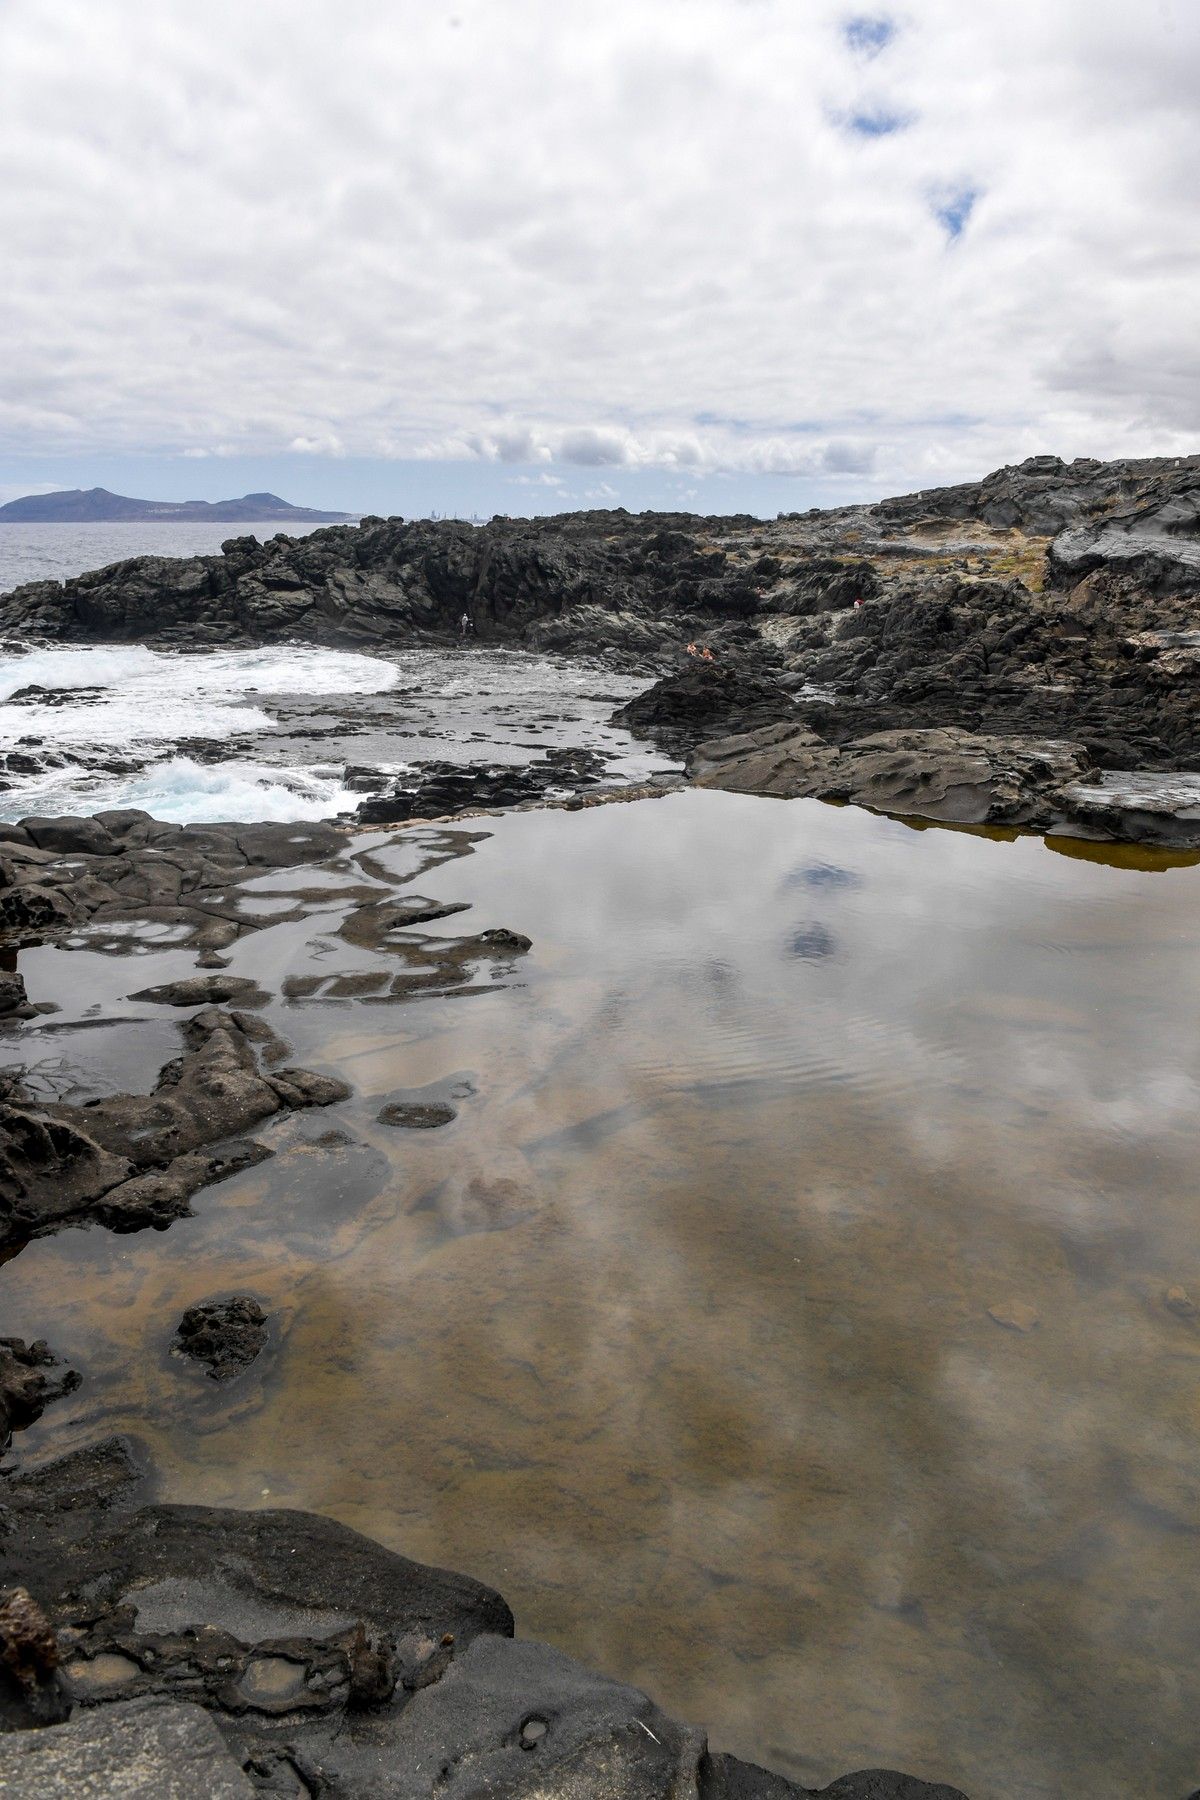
(224, 1335)
(267, 1618)
(334, 1666)
(206, 990)
(30, 1378)
(14, 1001)
(953, 775)
(148, 1750)
(132, 1160)
(418, 1116)
(30, 1690)
(501, 941)
(155, 1199)
(438, 789)
(69, 836)
(28, 908)
(1178, 1301)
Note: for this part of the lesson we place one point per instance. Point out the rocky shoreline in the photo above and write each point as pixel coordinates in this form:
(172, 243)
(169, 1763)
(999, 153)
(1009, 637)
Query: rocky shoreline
(1018, 653)
(1047, 611)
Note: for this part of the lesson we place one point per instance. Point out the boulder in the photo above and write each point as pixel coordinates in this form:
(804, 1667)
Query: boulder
(144, 1750)
(224, 1335)
(702, 695)
(70, 836)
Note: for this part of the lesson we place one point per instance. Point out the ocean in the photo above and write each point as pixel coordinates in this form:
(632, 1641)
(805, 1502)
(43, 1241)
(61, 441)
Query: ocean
(56, 552)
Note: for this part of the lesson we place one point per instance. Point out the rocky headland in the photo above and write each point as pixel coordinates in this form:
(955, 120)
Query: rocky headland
(1050, 604)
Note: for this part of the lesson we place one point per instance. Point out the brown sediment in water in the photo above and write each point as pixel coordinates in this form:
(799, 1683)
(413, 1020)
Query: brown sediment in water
(682, 1333)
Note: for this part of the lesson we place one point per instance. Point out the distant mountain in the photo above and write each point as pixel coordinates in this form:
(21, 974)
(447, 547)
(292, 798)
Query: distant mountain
(83, 506)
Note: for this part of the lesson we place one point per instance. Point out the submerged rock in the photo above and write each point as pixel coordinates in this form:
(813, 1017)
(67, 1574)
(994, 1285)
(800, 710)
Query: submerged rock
(224, 1335)
(418, 1115)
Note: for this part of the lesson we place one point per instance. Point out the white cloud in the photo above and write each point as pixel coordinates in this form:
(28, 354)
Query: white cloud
(617, 235)
(323, 444)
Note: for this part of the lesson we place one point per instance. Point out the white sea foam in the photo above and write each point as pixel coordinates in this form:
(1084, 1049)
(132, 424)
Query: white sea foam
(153, 697)
(148, 700)
(185, 792)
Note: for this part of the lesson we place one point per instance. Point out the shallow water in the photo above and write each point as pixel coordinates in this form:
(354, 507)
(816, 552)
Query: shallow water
(682, 1333)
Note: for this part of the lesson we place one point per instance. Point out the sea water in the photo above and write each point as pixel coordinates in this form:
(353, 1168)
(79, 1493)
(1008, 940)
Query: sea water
(57, 552)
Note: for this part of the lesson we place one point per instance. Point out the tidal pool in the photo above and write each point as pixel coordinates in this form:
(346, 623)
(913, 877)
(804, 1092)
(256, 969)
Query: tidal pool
(786, 1321)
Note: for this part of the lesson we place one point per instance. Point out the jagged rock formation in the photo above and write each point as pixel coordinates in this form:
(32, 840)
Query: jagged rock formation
(30, 1378)
(1049, 600)
(224, 1335)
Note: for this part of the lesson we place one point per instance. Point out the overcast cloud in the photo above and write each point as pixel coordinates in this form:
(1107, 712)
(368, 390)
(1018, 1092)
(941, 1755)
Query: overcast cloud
(873, 246)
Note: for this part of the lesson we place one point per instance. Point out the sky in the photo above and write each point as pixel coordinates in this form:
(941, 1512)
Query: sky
(476, 256)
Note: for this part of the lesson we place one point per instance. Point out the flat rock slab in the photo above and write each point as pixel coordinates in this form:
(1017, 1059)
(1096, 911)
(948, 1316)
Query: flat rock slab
(141, 1751)
(206, 990)
(960, 777)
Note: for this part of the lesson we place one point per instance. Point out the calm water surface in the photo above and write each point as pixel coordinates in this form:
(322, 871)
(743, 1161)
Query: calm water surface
(57, 552)
(682, 1336)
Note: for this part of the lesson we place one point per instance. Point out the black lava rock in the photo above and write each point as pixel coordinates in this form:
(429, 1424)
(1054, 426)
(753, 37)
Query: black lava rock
(224, 1335)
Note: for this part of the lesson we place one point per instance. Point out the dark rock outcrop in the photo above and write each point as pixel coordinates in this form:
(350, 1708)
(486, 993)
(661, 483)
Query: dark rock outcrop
(1049, 600)
(949, 775)
(959, 777)
(126, 868)
(30, 1378)
(224, 1335)
(333, 1666)
(703, 695)
(134, 1160)
(437, 789)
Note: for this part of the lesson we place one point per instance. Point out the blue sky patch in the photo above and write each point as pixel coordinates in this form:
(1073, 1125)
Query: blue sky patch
(869, 33)
(877, 122)
(954, 207)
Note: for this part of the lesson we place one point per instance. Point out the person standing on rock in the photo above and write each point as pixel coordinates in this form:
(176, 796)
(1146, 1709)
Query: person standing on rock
(464, 626)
